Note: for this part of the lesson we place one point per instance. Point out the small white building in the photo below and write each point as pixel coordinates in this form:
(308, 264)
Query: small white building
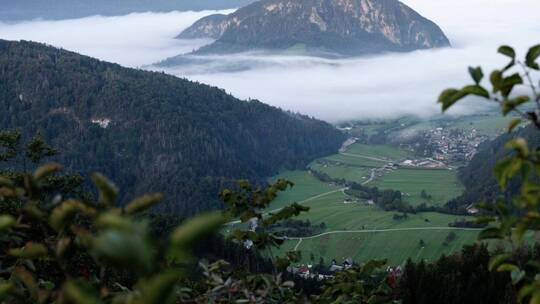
(471, 209)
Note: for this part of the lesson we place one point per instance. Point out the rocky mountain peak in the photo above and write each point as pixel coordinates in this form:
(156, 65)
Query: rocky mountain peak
(346, 27)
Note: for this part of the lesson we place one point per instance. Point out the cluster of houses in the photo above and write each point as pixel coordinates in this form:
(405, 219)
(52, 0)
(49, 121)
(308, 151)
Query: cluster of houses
(453, 144)
(354, 200)
(423, 163)
(307, 271)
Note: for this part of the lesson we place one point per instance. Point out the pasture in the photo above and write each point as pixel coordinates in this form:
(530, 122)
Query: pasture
(351, 227)
(365, 232)
(441, 184)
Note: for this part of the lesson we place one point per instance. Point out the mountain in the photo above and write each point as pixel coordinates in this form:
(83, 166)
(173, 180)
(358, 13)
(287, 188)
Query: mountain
(344, 27)
(150, 131)
(64, 9)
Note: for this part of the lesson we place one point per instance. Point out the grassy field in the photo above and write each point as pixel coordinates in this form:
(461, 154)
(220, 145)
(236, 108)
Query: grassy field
(366, 232)
(395, 246)
(351, 173)
(355, 221)
(358, 161)
(305, 187)
(380, 151)
(489, 125)
(442, 185)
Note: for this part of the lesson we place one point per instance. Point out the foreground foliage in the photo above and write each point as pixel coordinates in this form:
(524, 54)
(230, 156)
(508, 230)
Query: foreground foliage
(515, 216)
(59, 244)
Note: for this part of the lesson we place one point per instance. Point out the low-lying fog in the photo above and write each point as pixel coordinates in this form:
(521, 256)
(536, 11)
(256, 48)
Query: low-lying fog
(376, 86)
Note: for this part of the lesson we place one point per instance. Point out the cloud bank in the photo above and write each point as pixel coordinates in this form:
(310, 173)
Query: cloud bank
(132, 40)
(388, 85)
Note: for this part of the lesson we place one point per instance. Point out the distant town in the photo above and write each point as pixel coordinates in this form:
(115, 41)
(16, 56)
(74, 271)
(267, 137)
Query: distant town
(451, 145)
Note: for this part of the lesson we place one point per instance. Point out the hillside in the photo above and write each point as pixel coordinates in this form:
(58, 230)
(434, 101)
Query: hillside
(64, 9)
(477, 176)
(150, 131)
(345, 27)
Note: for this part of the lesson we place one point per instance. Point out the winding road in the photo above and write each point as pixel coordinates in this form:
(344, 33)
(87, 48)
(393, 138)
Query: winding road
(372, 177)
(366, 157)
(300, 202)
(300, 239)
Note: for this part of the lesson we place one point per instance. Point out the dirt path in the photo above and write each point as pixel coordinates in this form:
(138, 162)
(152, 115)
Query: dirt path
(300, 202)
(300, 239)
(367, 157)
(371, 178)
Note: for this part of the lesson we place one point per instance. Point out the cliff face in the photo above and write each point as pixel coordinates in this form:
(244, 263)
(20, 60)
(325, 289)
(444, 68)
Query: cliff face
(347, 27)
(212, 26)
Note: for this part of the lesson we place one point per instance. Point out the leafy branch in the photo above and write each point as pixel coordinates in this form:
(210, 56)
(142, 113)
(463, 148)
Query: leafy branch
(523, 163)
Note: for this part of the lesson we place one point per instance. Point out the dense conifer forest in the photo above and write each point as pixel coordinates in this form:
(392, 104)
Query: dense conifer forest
(477, 175)
(148, 130)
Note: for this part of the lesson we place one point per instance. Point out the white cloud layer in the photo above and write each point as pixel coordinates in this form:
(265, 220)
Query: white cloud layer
(132, 40)
(335, 90)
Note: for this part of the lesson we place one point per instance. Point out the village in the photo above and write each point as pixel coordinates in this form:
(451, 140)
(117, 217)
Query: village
(319, 273)
(451, 145)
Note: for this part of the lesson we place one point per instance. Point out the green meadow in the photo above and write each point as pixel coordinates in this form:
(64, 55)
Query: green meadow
(441, 184)
(355, 228)
(363, 231)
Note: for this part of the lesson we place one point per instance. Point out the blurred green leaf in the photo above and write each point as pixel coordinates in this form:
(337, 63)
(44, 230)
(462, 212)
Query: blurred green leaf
(490, 233)
(47, 285)
(519, 145)
(143, 203)
(29, 251)
(158, 289)
(28, 280)
(496, 80)
(505, 169)
(497, 260)
(511, 104)
(62, 215)
(78, 292)
(108, 192)
(532, 55)
(517, 276)
(5, 290)
(129, 247)
(507, 51)
(6, 182)
(513, 124)
(46, 170)
(114, 220)
(193, 230)
(475, 90)
(7, 222)
(450, 96)
(476, 74)
(508, 83)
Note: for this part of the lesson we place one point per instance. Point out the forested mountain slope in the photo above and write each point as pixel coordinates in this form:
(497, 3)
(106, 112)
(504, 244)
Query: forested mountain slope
(12, 10)
(477, 177)
(150, 131)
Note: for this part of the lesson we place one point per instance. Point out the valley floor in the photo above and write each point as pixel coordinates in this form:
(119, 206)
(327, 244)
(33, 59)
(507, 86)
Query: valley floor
(362, 231)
